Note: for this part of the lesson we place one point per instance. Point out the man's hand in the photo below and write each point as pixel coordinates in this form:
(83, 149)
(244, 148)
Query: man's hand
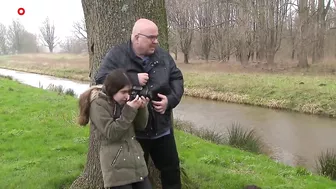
(161, 106)
(143, 78)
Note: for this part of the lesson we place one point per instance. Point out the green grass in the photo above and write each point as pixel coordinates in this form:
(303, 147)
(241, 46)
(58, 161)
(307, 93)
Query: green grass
(308, 94)
(41, 146)
(214, 166)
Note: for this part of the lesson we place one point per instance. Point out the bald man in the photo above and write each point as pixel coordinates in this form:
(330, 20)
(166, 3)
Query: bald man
(152, 67)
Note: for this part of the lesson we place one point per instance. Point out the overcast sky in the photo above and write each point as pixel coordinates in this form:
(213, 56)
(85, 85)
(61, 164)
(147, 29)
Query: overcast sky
(62, 12)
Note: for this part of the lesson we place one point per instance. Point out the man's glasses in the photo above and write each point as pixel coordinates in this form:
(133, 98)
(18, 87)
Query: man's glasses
(151, 37)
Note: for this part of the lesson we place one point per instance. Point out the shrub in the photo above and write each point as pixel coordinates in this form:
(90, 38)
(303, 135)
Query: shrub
(326, 164)
(241, 138)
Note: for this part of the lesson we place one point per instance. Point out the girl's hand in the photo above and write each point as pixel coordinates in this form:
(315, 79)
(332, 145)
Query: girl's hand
(144, 102)
(136, 103)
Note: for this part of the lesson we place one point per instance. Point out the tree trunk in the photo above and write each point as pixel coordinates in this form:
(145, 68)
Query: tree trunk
(293, 54)
(110, 23)
(186, 58)
(261, 31)
(243, 51)
(242, 25)
(314, 29)
(303, 16)
(292, 37)
(271, 42)
(205, 20)
(270, 58)
(322, 13)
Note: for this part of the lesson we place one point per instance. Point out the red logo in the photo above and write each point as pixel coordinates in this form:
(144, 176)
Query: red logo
(21, 11)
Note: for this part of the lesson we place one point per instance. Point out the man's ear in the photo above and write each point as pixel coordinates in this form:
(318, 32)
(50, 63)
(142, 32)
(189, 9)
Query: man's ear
(136, 37)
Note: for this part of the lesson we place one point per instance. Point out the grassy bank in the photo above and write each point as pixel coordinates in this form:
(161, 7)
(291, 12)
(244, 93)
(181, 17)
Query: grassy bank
(42, 147)
(307, 94)
(294, 92)
(59, 65)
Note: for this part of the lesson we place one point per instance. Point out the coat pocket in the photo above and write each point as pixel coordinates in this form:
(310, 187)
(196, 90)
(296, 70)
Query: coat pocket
(117, 156)
(163, 120)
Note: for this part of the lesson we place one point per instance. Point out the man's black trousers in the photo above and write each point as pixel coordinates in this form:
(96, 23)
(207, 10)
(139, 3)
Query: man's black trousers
(164, 154)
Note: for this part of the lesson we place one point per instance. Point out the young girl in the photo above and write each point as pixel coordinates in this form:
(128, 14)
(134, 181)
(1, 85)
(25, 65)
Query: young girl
(114, 120)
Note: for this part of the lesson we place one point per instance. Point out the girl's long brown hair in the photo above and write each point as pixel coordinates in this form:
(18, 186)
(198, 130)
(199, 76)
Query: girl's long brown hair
(84, 106)
(114, 81)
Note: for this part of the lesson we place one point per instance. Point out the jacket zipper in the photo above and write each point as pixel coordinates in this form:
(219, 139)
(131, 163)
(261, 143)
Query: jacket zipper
(116, 157)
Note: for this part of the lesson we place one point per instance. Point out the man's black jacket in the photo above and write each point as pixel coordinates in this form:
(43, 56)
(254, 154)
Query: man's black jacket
(164, 78)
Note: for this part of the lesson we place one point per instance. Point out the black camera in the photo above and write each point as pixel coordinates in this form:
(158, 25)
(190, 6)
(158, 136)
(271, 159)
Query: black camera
(140, 91)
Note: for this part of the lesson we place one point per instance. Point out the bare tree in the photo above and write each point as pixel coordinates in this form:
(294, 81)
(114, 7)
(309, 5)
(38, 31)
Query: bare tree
(320, 30)
(181, 15)
(3, 39)
(256, 29)
(103, 33)
(29, 43)
(204, 19)
(257, 40)
(292, 28)
(80, 29)
(303, 16)
(15, 36)
(173, 40)
(277, 11)
(242, 16)
(332, 30)
(313, 27)
(73, 45)
(222, 33)
(48, 35)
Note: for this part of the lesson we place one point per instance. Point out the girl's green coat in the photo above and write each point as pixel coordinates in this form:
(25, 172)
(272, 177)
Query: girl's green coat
(121, 156)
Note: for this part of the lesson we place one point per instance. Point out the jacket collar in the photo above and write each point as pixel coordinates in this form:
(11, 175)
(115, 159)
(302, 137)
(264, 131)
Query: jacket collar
(152, 58)
(132, 53)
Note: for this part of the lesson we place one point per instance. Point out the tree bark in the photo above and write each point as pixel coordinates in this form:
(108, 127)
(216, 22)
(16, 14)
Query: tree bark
(110, 23)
